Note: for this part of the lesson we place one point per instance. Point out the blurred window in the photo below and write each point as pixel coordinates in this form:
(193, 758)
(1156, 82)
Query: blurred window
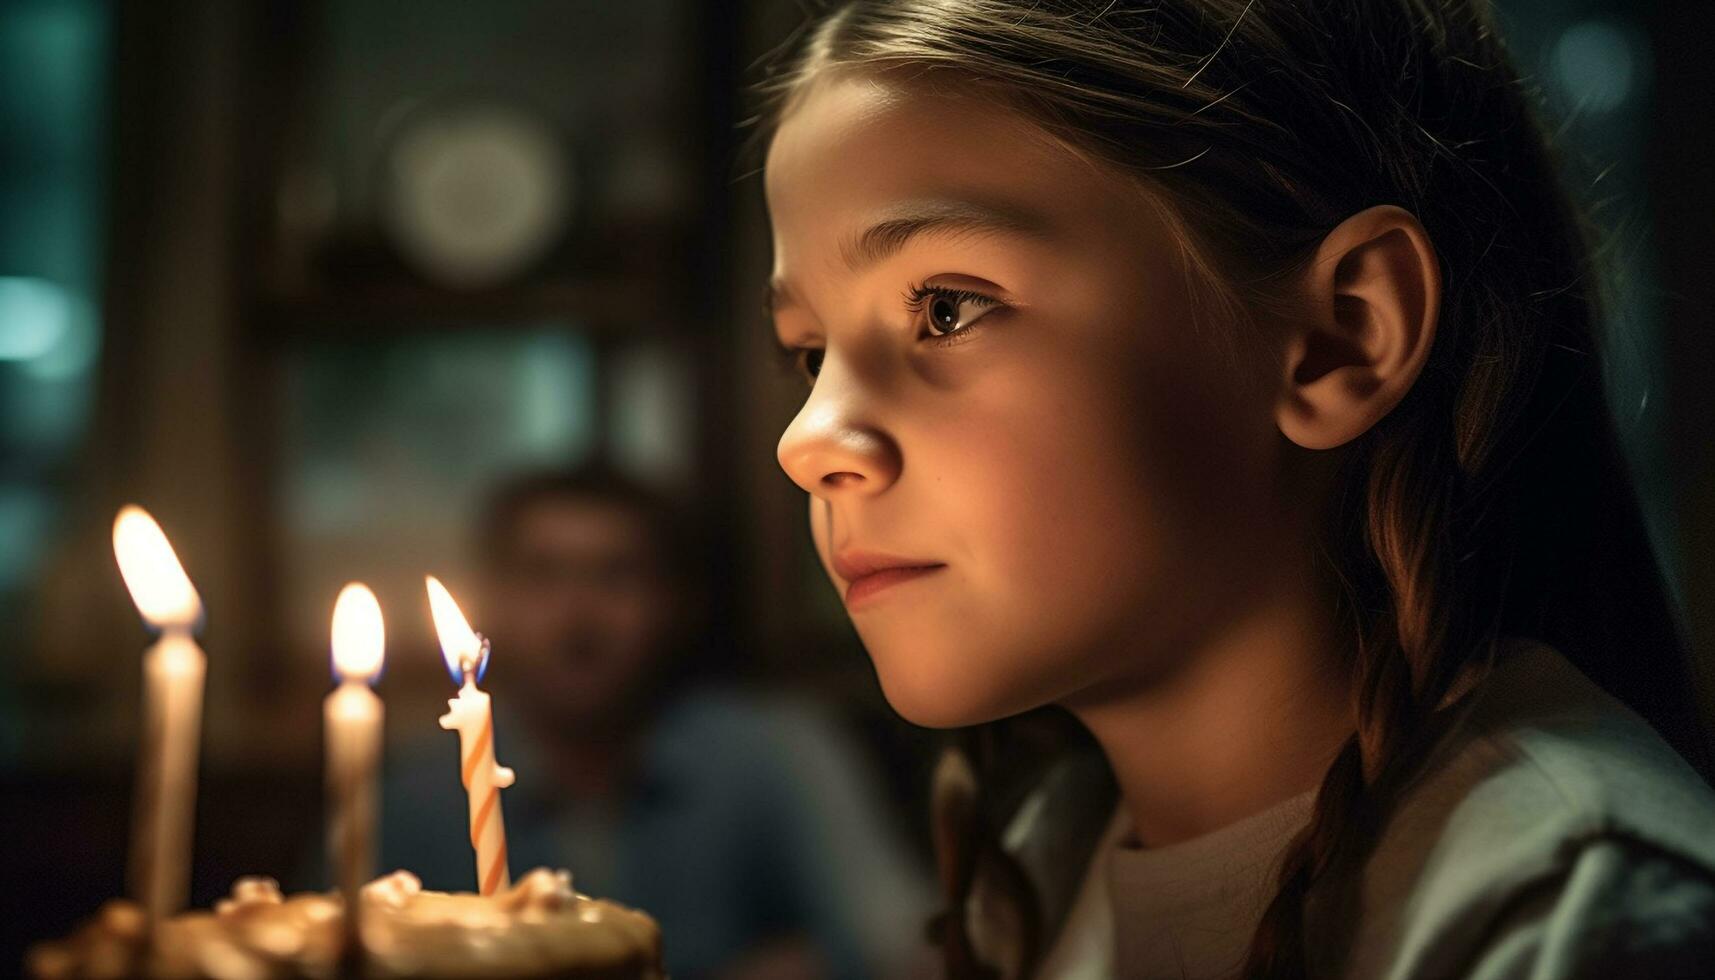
(54, 66)
(390, 441)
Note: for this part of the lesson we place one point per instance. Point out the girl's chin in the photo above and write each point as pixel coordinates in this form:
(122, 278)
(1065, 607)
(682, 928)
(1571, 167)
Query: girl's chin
(947, 699)
(941, 716)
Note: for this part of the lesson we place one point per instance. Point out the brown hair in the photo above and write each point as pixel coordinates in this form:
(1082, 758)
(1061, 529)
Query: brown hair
(1494, 500)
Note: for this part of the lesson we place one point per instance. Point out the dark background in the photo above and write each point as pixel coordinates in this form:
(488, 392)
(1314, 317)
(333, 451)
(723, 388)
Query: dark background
(217, 300)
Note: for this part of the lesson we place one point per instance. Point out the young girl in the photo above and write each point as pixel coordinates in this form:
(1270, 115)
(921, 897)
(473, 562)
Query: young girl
(1225, 373)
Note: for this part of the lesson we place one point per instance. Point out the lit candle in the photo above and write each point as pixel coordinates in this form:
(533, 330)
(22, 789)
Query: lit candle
(173, 672)
(351, 718)
(470, 714)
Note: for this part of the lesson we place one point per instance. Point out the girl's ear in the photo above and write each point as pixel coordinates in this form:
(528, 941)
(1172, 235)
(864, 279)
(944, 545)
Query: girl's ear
(1373, 294)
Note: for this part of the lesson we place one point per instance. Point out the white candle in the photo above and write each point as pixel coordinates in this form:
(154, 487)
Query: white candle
(471, 715)
(351, 718)
(173, 672)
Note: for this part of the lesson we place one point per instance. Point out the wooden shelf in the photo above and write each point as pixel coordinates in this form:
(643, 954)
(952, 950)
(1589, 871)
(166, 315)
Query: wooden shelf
(600, 304)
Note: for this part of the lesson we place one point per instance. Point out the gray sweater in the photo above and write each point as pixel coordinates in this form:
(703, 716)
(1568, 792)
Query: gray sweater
(1552, 836)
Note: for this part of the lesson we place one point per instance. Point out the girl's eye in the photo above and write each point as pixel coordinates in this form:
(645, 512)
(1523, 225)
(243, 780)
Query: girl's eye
(945, 311)
(949, 311)
(805, 362)
(810, 361)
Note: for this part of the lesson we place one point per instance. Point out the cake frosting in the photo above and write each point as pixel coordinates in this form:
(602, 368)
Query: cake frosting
(540, 927)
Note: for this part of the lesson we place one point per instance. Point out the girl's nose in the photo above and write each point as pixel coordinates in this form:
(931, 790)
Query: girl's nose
(830, 448)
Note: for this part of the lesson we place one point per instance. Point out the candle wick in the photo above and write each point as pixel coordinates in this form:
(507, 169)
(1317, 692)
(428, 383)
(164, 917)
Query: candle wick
(474, 663)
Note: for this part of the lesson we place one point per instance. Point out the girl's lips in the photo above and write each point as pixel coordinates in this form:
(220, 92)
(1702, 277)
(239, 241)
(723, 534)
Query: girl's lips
(869, 572)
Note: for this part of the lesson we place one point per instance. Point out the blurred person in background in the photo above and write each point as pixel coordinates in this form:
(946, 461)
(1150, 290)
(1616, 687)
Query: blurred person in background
(745, 823)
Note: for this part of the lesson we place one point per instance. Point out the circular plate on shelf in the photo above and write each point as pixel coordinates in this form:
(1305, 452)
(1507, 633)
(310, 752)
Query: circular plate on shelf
(473, 193)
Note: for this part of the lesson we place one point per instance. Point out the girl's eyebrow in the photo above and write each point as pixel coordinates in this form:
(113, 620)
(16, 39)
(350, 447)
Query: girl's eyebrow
(901, 223)
(904, 222)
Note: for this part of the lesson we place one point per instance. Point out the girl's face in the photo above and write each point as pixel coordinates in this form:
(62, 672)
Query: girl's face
(1010, 395)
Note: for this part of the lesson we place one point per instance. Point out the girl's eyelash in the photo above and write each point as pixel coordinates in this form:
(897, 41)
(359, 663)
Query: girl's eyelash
(920, 294)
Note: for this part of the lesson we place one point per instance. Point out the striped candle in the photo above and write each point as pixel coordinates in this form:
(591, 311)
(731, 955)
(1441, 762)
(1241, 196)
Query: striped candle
(472, 716)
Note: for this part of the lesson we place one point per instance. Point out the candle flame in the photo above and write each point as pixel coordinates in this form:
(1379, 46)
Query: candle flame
(359, 636)
(158, 584)
(459, 644)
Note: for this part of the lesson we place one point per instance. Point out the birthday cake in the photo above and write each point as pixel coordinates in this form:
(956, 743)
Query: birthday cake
(539, 927)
